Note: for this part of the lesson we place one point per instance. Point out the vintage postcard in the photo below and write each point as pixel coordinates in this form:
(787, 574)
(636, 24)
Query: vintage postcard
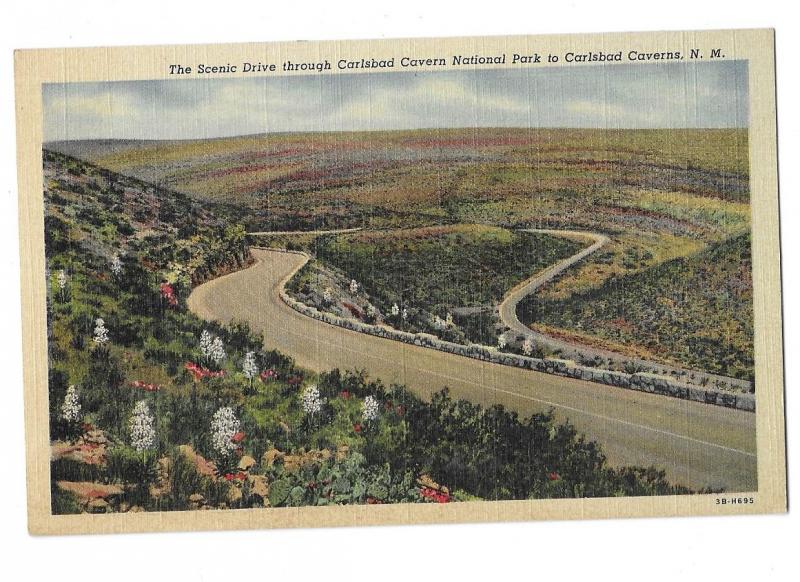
(400, 281)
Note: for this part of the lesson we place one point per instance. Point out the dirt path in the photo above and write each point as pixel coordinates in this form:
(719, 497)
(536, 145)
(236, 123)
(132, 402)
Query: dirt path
(299, 232)
(574, 350)
(697, 444)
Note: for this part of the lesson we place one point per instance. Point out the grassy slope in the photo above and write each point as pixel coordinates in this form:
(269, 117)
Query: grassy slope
(659, 194)
(696, 311)
(443, 267)
(92, 215)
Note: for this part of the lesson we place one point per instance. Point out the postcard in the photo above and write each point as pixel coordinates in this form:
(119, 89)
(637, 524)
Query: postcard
(400, 281)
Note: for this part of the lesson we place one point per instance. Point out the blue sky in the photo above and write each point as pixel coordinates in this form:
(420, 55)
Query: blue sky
(663, 95)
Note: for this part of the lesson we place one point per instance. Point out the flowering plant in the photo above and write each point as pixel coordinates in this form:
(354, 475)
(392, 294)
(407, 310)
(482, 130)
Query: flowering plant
(311, 400)
(249, 366)
(434, 495)
(145, 386)
(116, 266)
(142, 427)
(370, 409)
(168, 293)
(100, 332)
(268, 375)
(71, 408)
(224, 427)
(199, 372)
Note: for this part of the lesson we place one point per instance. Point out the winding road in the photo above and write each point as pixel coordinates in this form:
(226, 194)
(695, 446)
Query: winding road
(573, 350)
(696, 444)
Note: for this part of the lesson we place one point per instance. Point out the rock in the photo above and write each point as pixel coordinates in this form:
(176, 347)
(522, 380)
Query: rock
(136, 509)
(259, 486)
(427, 482)
(270, 457)
(234, 495)
(246, 463)
(197, 501)
(203, 466)
(86, 491)
(98, 505)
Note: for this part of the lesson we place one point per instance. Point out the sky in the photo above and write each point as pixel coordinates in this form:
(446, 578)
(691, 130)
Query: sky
(662, 95)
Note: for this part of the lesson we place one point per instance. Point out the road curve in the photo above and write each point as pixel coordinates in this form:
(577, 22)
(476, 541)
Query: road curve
(574, 350)
(508, 307)
(697, 444)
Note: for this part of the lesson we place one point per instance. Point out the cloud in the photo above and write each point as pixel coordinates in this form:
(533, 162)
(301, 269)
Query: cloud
(657, 95)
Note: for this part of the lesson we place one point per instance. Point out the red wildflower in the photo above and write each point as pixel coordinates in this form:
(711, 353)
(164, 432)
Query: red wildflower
(229, 476)
(434, 495)
(241, 476)
(145, 386)
(401, 410)
(168, 293)
(238, 437)
(344, 394)
(198, 372)
(357, 428)
(268, 375)
(554, 476)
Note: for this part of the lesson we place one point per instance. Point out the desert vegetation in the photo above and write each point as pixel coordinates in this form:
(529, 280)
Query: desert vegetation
(443, 280)
(152, 409)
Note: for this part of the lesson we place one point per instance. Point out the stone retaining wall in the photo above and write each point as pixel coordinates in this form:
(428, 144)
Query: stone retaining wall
(642, 381)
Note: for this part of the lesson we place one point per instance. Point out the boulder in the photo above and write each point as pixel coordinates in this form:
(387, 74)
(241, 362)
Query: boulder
(203, 466)
(271, 456)
(259, 486)
(87, 491)
(98, 505)
(246, 463)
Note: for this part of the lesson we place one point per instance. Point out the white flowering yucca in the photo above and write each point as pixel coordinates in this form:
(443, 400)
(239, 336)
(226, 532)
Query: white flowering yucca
(501, 342)
(311, 400)
(527, 346)
(217, 354)
(438, 322)
(370, 408)
(71, 409)
(327, 295)
(249, 365)
(61, 279)
(100, 331)
(395, 310)
(404, 315)
(142, 427)
(224, 425)
(371, 311)
(116, 266)
(206, 339)
(353, 286)
(449, 319)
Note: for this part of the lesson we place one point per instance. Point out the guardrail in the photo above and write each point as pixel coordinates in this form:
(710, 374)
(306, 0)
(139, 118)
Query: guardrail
(641, 381)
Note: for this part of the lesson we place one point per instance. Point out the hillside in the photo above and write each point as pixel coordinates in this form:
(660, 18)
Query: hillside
(659, 195)
(153, 409)
(696, 310)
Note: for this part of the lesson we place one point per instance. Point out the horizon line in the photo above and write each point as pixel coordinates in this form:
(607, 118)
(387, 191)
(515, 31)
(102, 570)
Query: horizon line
(357, 131)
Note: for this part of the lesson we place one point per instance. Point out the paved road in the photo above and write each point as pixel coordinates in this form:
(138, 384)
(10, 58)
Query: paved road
(697, 444)
(573, 350)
